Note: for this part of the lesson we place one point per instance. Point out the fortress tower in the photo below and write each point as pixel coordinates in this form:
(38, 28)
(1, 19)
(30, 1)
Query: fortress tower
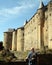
(14, 41)
(40, 19)
(20, 39)
(7, 43)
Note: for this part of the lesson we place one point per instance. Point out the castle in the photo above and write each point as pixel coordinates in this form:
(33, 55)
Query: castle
(37, 32)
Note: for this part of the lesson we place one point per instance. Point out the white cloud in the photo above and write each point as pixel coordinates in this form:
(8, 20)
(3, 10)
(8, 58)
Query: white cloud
(15, 10)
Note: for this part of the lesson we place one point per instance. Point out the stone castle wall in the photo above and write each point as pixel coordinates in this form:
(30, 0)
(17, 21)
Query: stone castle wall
(37, 32)
(50, 25)
(31, 34)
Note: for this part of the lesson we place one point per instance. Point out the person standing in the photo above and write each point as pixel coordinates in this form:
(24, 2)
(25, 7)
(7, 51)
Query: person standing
(31, 57)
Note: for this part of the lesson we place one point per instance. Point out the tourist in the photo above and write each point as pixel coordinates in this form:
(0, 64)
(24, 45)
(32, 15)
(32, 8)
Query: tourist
(31, 58)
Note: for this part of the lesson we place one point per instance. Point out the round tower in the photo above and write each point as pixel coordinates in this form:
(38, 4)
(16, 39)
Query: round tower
(7, 43)
(41, 16)
(20, 39)
(14, 40)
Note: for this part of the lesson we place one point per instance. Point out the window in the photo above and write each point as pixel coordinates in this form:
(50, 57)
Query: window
(50, 39)
(38, 13)
(46, 29)
(35, 27)
(50, 14)
(23, 34)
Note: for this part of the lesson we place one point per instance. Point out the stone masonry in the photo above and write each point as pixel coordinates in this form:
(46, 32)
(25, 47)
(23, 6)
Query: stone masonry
(37, 32)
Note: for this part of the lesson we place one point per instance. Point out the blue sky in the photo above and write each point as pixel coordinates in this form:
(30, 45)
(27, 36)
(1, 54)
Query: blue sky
(13, 13)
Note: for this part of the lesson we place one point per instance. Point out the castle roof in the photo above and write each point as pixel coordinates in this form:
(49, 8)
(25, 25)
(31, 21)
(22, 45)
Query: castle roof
(25, 22)
(41, 4)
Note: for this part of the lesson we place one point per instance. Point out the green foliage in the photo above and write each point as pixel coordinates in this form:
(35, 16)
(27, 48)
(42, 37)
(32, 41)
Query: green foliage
(6, 56)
